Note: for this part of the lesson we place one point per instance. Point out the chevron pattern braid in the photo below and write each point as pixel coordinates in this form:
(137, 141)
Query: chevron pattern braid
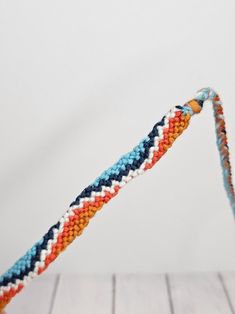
(142, 158)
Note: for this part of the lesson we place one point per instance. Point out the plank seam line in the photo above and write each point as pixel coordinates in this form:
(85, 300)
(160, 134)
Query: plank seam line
(114, 294)
(226, 292)
(54, 293)
(168, 287)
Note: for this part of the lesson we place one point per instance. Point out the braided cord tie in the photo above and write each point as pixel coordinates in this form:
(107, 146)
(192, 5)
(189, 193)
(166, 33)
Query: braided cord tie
(107, 185)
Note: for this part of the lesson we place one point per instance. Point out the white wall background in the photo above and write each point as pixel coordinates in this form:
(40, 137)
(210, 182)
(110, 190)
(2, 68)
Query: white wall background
(81, 82)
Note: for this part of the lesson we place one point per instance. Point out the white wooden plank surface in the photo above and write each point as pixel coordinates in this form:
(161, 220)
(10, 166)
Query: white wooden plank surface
(86, 294)
(228, 281)
(35, 298)
(138, 294)
(198, 294)
(128, 294)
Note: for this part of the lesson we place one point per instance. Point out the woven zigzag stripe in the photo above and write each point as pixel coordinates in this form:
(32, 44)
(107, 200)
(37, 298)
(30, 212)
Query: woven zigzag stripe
(107, 185)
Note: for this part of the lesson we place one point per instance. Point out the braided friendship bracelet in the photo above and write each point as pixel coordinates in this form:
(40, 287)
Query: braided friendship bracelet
(107, 185)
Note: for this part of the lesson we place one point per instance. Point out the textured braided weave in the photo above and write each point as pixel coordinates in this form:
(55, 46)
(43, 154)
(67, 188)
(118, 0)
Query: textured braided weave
(107, 185)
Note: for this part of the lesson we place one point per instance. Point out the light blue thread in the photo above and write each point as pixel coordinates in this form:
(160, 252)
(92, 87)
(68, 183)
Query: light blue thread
(187, 109)
(126, 159)
(22, 263)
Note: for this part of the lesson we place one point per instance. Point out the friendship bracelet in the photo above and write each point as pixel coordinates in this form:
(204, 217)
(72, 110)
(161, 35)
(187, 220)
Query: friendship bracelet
(142, 158)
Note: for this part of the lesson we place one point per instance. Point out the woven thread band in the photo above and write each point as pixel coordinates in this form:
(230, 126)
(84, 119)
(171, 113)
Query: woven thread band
(142, 158)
